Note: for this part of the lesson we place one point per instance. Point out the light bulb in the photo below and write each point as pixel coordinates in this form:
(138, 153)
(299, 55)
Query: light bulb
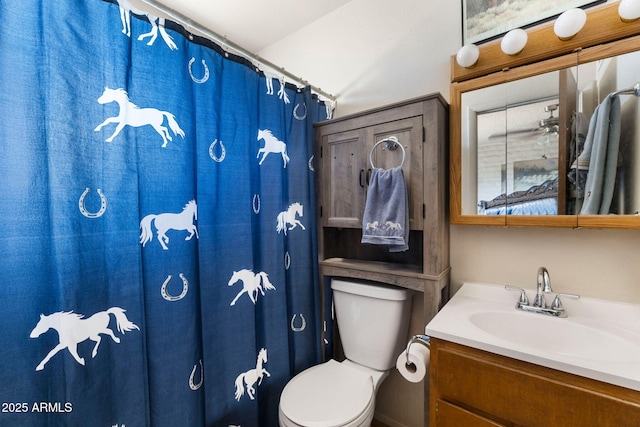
(514, 41)
(569, 23)
(629, 10)
(468, 55)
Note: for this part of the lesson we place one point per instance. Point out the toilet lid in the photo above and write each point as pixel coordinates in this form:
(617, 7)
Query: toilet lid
(330, 394)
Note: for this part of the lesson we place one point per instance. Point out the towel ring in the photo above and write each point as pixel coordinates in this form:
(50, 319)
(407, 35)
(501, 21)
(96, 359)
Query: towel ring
(392, 143)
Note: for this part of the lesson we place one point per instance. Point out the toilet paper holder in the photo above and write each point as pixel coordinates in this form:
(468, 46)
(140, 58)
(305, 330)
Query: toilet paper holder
(422, 339)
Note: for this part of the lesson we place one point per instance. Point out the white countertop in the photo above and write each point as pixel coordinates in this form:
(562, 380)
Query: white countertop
(599, 339)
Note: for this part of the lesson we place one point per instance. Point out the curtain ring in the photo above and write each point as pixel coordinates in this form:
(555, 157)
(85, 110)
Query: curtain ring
(301, 327)
(192, 384)
(85, 212)
(165, 293)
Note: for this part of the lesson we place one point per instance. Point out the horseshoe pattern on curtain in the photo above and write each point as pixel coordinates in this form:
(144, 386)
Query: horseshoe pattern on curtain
(137, 116)
(192, 384)
(99, 212)
(165, 293)
(205, 77)
(212, 151)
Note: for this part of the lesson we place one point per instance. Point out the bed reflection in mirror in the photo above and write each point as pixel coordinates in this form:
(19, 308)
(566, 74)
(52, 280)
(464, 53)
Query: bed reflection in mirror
(524, 180)
(510, 141)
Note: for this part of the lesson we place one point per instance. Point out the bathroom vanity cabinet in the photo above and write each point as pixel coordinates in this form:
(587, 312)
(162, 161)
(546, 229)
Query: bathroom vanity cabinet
(474, 388)
(342, 151)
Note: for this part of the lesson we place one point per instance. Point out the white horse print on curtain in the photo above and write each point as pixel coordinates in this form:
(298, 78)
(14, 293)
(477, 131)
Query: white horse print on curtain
(73, 329)
(170, 221)
(132, 115)
(125, 16)
(271, 145)
(251, 284)
(288, 217)
(252, 376)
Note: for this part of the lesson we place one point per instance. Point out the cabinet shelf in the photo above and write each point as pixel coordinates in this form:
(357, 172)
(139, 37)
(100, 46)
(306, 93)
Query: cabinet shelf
(406, 276)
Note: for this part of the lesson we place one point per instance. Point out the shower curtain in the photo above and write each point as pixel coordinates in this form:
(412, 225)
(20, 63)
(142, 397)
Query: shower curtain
(157, 239)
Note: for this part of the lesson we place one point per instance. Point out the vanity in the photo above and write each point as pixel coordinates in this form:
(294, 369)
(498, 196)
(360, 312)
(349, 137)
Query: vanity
(494, 365)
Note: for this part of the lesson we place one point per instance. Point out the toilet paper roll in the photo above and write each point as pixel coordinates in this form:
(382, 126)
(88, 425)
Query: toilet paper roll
(418, 365)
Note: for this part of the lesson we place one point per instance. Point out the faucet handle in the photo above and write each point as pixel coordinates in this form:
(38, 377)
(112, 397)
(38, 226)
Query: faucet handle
(524, 300)
(557, 304)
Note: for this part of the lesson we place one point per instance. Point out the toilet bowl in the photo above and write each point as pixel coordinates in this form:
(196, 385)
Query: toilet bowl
(373, 324)
(332, 394)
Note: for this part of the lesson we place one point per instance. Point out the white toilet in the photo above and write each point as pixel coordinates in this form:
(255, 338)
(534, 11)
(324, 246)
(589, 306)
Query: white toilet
(373, 321)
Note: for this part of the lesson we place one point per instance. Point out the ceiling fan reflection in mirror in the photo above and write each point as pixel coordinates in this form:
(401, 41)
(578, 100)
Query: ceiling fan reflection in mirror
(542, 131)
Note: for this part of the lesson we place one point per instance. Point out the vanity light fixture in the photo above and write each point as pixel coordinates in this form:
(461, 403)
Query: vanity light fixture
(514, 41)
(468, 55)
(629, 10)
(569, 23)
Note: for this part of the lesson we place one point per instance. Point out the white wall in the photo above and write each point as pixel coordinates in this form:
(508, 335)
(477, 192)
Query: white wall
(370, 53)
(378, 52)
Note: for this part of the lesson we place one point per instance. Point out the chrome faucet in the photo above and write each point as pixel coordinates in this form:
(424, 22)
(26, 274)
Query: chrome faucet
(539, 305)
(544, 285)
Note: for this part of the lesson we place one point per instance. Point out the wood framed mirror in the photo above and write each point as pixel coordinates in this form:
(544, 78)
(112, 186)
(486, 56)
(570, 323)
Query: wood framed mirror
(517, 133)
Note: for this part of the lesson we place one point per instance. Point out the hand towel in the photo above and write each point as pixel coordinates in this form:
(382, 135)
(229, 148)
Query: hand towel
(386, 212)
(601, 148)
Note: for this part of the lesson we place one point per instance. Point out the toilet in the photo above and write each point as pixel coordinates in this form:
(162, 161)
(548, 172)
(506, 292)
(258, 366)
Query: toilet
(373, 321)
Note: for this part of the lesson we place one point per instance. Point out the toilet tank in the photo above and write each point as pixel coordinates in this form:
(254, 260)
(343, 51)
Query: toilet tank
(373, 321)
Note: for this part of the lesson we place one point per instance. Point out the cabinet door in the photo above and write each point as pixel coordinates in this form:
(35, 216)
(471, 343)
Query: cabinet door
(450, 415)
(344, 174)
(409, 134)
(523, 394)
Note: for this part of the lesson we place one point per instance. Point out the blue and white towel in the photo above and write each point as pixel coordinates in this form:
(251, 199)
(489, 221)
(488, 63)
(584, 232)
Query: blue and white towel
(386, 212)
(601, 149)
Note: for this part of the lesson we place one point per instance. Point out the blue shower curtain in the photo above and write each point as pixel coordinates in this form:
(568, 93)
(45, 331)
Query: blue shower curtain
(157, 239)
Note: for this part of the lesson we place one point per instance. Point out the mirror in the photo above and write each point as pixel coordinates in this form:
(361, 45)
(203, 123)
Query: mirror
(515, 142)
(518, 153)
(511, 138)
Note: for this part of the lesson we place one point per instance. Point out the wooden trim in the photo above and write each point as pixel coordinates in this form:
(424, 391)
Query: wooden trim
(603, 26)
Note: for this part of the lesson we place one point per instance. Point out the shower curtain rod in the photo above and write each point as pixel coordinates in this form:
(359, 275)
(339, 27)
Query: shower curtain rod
(181, 19)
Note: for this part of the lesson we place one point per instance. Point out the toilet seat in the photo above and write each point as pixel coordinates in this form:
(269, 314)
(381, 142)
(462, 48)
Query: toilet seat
(328, 395)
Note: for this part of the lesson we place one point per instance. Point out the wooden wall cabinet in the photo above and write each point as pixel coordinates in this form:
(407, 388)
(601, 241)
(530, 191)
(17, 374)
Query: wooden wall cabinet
(346, 168)
(343, 146)
(474, 388)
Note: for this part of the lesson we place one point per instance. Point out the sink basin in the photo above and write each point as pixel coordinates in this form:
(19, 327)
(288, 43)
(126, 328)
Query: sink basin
(565, 337)
(599, 339)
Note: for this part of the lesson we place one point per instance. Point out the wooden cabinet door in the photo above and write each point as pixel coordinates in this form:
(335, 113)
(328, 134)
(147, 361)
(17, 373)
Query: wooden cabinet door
(450, 415)
(513, 392)
(344, 174)
(409, 134)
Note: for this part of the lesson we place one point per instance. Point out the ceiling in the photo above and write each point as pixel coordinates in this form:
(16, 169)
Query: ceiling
(251, 24)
